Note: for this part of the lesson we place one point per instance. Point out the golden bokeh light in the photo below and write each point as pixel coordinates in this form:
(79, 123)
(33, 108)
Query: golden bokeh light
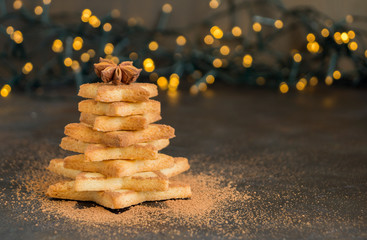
(162, 83)
(27, 68)
(68, 62)
(46, 2)
(18, 37)
(210, 79)
(325, 32)
(107, 27)
(94, 21)
(224, 50)
(181, 40)
(202, 86)
(108, 48)
(217, 63)
(329, 80)
(337, 38)
(57, 46)
(86, 15)
(256, 27)
(301, 84)
(174, 75)
(214, 4)
(153, 46)
(236, 31)
(353, 46)
(38, 10)
(216, 32)
(77, 43)
(9, 30)
(351, 34)
(17, 4)
(311, 37)
(148, 65)
(313, 47)
(247, 61)
(167, 8)
(283, 87)
(208, 39)
(5, 90)
(337, 74)
(297, 57)
(174, 81)
(278, 24)
(85, 57)
(344, 37)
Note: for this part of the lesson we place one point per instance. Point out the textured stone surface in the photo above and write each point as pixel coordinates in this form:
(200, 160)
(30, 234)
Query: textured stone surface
(303, 157)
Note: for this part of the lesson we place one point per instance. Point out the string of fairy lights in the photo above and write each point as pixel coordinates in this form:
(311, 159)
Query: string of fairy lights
(233, 54)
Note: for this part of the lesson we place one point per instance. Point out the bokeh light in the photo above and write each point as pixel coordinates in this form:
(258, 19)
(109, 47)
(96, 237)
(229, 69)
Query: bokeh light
(108, 48)
(86, 15)
(256, 27)
(148, 65)
(38, 10)
(236, 31)
(325, 32)
(208, 39)
(217, 63)
(247, 61)
(167, 8)
(297, 57)
(283, 87)
(181, 40)
(18, 37)
(27, 68)
(216, 32)
(337, 74)
(107, 27)
(5, 90)
(77, 43)
(68, 62)
(224, 50)
(278, 24)
(153, 46)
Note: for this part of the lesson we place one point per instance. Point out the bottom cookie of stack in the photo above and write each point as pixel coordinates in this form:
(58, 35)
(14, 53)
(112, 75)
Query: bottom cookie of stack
(117, 199)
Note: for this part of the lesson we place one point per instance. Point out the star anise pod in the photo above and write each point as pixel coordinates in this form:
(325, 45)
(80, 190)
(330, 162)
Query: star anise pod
(124, 73)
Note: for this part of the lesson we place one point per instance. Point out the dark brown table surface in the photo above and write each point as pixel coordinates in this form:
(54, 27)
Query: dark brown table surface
(303, 154)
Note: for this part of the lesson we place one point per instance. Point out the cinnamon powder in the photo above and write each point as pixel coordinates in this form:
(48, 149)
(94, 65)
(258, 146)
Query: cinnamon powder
(214, 201)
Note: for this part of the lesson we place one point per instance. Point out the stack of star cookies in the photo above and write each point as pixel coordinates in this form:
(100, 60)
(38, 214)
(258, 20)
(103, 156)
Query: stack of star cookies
(119, 163)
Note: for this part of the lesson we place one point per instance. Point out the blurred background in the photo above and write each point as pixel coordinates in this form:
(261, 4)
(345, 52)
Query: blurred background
(185, 45)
